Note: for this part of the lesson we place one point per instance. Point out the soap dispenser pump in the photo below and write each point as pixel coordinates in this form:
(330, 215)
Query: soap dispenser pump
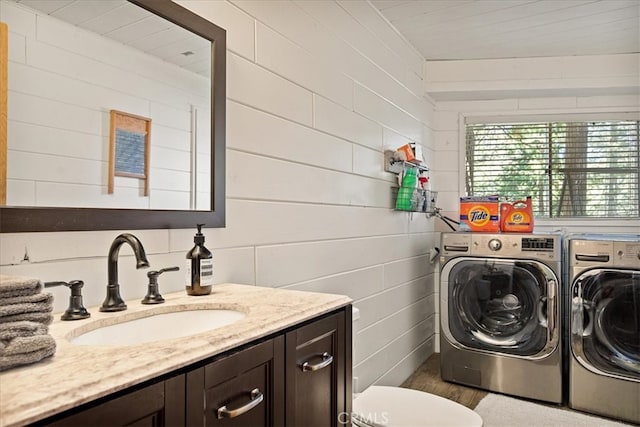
(199, 267)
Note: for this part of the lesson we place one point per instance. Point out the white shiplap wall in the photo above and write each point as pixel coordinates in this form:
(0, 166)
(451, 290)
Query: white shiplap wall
(63, 81)
(316, 91)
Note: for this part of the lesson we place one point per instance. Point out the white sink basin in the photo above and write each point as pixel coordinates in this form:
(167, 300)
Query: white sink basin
(159, 327)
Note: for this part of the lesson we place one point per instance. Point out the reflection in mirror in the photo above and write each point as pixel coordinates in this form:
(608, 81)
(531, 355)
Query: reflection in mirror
(82, 60)
(71, 62)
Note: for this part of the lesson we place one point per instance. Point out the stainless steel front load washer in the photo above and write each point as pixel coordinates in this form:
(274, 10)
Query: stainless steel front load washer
(500, 313)
(604, 307)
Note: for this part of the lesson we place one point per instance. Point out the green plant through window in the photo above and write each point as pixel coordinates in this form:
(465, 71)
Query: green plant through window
(571, 169)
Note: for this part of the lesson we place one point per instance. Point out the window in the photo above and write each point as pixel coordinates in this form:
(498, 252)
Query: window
(588, 169)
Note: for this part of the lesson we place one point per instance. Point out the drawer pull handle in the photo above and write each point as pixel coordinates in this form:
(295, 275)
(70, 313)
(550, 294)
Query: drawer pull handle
(256, 398)
(327, 360)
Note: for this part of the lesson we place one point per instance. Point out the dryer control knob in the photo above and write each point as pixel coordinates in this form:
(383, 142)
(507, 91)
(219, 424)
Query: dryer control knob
(495, 244)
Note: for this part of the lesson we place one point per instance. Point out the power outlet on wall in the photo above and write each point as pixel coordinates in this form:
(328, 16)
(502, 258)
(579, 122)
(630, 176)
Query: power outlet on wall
(355, 385)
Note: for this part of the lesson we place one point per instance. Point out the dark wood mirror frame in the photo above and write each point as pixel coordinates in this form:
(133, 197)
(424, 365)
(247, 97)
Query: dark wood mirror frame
(34, 219)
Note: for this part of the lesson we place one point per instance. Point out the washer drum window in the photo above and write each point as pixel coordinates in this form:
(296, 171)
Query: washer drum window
(606, 320)
(498, 306)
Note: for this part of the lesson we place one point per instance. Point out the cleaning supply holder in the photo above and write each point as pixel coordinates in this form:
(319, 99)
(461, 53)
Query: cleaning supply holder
(394, 165)
(411, 197)
(420, 200)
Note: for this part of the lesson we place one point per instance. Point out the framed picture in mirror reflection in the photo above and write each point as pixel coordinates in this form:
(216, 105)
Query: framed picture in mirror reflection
(129, 146)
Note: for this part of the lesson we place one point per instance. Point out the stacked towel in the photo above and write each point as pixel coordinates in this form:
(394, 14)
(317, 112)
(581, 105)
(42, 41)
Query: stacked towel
(25, 313)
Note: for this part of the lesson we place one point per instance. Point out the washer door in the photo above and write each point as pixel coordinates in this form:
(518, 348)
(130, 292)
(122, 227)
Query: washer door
(505, 306)
(605, 321)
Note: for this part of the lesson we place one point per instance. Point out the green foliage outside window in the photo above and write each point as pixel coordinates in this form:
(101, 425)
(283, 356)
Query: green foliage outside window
(571, 169)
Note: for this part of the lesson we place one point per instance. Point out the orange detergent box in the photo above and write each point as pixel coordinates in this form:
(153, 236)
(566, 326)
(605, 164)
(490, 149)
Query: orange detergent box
(480, 213)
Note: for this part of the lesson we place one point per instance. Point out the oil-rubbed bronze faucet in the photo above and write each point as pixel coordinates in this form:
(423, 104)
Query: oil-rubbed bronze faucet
(76, 310)
(114, 301)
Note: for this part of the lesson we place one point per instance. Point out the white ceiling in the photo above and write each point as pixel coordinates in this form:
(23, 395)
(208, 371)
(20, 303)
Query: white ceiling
(132, 26)
(484, 29)
(438, 29)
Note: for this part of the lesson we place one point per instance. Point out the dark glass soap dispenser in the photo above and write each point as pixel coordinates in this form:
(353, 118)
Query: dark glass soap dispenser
(199, 267)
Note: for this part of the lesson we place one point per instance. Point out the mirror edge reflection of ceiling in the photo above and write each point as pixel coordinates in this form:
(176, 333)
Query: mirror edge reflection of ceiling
(43, 219)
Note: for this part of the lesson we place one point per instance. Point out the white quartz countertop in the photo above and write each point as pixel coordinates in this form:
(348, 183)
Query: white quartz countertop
(77, 374)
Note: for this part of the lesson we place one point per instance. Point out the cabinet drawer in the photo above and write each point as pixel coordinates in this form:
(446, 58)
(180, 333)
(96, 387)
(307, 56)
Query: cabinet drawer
(241, 389)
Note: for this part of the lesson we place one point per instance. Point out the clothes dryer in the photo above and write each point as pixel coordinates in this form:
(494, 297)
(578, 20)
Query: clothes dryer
(500, 324)
(604, 307)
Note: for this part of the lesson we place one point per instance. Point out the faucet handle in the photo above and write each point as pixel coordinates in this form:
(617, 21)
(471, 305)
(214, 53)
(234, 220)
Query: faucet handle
(153, 294)
(76, 310)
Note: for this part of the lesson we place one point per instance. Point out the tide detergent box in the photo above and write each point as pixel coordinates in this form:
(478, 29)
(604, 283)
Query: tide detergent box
(480, 213)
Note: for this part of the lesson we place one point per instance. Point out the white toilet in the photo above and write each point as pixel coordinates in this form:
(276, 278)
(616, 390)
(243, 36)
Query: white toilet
(382, 406)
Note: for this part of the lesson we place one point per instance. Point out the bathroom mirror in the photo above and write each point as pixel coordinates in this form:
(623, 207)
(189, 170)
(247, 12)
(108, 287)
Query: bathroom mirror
(170, 71)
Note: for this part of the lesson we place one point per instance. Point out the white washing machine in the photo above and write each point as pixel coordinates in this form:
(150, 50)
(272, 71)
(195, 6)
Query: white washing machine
(604, 307)
(500, 324)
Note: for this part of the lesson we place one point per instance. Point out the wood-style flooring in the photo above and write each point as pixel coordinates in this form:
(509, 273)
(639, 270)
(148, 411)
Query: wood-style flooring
(427, 378)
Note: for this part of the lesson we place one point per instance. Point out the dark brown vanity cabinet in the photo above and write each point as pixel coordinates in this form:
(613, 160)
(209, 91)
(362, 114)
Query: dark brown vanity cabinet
(317, 374)
(298, 377)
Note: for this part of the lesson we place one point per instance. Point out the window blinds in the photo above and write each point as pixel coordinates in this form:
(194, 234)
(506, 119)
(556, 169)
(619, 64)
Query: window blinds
(571, 169)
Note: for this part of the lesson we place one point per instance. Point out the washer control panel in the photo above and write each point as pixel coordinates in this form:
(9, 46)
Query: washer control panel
(533, 246)
(613, 253)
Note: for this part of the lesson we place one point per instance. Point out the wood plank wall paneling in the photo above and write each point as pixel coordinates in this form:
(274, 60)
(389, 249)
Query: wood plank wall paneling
(4, 53)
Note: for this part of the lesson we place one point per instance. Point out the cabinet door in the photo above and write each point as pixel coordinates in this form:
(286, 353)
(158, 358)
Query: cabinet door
(160, 404)
(316, 373)
(242, 389)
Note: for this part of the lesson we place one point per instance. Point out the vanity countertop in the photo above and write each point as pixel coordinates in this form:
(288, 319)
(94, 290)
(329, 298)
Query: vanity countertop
(77, 374)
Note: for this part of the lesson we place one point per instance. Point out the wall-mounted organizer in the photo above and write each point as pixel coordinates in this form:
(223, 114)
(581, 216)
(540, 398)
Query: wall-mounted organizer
(415, 200)
(412, 195)
(393, 164)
